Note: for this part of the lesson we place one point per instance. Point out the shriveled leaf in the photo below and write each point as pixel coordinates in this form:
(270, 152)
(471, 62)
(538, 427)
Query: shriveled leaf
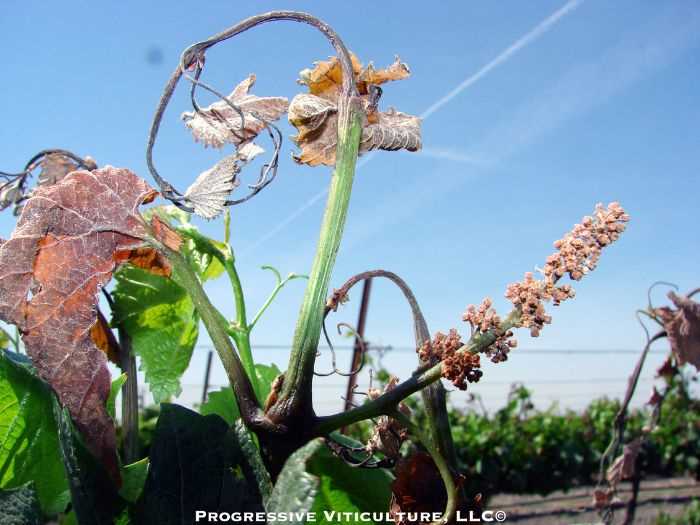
(94, 496)
(165, 234)
(68, 241)
(396, 71)
(315, 114)
(11, 193)
(624, 465)
(326, 77)
(20, 506)
(28, 434)
(163, 324)
(104, 339)
(392, 131)
(296, 489)
(210, 191)
(193, 467)
(219, 123)
(55, 166)
(683, 329)
(150, 259)
(417, 487)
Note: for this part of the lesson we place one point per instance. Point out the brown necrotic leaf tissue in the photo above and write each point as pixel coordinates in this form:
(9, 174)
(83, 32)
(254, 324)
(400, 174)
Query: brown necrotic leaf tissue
(315, 114)
(67, 243)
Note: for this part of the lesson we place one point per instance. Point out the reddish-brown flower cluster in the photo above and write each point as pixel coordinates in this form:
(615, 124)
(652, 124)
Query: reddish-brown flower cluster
(577, 254)
(459, 367)
(484, 318)
(388, 434)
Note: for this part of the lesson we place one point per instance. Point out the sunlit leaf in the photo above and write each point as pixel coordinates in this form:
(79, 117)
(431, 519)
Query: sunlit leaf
(69, 239)
(163, 325)
(315, 114)
(28, 434)
(219, 123)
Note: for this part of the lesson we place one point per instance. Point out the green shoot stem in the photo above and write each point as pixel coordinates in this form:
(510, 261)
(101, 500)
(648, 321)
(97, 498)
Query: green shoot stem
(296, 389)
(241, 332)
(240, 381)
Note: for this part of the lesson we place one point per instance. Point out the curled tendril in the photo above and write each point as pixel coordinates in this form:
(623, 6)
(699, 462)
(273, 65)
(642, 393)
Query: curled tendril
(651, 289)
(268, 171)
(336, 370)
(192, 58)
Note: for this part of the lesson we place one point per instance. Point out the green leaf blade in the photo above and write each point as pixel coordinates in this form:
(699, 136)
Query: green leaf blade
(28, 434)
(163, 325)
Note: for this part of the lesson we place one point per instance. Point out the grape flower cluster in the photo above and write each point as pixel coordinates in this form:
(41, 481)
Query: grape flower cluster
(577, 253)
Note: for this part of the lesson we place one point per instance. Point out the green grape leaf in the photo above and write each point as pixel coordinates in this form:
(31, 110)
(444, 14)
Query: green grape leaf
(20, 506)
(223, 403)
(194, 466)
(133, 479)
(161, 320)
(93, 494)
(5, 339)
(347, 489)
(28, 434)
(253, 463)
(296, 490)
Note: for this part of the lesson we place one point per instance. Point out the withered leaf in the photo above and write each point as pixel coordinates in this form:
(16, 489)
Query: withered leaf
(314, 114)
(219, 123)
(165, 234)
(683, 329)
(55, 166)
(104, 339)
(655, 398)
(11, 192)
(152, 260)
(68, 241)
(418, 487)
(624, 465)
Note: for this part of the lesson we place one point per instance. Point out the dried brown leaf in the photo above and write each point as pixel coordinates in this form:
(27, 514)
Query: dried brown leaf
(165, 234)
(624, 465)
(67, 243)
(152, 260)
(683, 329)
(396, 71)
(55, 166)
(219, 123)
(104, 339)
(314, 114)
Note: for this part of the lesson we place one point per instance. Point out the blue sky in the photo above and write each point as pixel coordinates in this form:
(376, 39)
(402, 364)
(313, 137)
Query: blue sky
(561, 105)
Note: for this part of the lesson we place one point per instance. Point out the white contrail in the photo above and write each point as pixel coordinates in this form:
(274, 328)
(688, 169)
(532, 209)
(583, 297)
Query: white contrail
(529, 37)
(516, 46)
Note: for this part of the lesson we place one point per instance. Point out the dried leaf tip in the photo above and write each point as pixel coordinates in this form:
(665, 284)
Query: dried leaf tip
(682, 326)
(315, 114)
(237, 119)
